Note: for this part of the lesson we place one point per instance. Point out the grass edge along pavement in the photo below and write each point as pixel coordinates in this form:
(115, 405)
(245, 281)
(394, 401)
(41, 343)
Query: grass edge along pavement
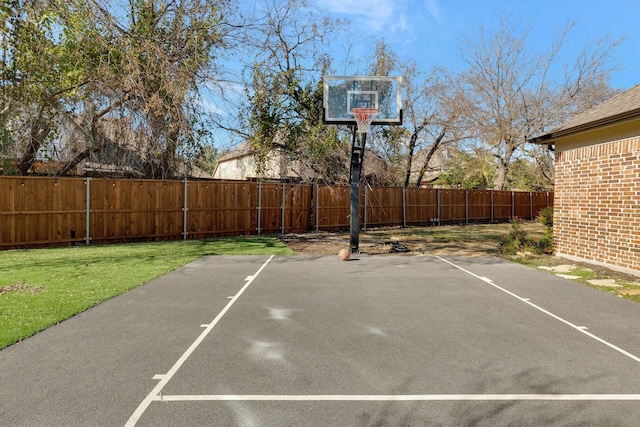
(42, 287)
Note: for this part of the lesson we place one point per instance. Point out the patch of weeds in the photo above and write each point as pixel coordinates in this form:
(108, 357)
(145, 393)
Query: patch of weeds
(584, 274)
(515, 241)
(518, 240)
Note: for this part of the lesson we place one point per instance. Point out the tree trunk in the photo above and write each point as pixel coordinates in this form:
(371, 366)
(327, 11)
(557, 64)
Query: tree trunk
(39, 132)
(77, 159)
(430, 154)
(169, 155)
(503, 166)
(410, 151)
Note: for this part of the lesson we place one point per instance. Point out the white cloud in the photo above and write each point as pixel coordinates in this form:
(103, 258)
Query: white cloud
(377, 13)
(433, 7)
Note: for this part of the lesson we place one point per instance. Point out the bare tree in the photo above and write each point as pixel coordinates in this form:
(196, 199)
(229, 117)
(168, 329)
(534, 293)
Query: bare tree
(517, 92)
(436, 118)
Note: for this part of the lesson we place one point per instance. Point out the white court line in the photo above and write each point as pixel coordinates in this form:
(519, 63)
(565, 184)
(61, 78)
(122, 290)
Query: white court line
(397, 398)
(581, 329)
(164, 379)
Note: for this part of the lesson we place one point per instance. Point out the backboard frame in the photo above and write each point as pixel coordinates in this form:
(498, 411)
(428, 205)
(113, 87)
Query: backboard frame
(342, 93)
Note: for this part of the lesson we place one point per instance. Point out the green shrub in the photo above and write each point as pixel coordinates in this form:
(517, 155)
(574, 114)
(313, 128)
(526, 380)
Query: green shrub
(543, 246)
(545, 217)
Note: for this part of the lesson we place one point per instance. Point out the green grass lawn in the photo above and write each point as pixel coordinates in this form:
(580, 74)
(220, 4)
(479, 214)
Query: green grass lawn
(41, 287)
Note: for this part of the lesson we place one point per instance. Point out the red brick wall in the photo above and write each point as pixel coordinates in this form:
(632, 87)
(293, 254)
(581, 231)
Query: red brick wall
(597, 204)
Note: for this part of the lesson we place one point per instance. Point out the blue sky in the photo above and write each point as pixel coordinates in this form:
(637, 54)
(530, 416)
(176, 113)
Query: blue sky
(430, 31)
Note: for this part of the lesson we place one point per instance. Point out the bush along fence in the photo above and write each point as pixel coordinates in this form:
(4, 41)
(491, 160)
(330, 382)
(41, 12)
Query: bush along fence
(46, 211)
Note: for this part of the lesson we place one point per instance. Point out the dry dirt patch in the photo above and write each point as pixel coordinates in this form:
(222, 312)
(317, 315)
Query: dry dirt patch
(386, 242)
(20, 286)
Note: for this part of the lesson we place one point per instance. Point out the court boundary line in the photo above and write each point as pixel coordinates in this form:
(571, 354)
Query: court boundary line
(165, 378)
(581, 329)
(396, 398)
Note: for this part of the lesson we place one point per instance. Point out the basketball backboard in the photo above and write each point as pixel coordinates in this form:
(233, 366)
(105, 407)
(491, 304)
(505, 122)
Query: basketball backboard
(344, 93)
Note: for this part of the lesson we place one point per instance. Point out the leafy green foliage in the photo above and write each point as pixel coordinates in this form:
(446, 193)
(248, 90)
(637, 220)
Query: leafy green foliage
(545, 217)
(207, 158)
(525, 175)
(467, 171)
(89, 68)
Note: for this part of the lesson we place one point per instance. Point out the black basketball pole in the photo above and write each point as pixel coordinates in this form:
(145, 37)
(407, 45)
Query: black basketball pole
(357, 155)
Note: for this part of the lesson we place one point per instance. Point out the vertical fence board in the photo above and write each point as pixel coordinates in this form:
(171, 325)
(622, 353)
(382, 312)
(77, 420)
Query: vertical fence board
(201, 208)
(298, 218)
(333, 207)
(452, 206)
(479, 205)
(421, 206)
(270, 209)
(501, 205)
(522, 207)
(384, 206)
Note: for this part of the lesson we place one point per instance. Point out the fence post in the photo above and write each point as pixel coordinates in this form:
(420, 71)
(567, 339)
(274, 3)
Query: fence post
(466, 207)
(404, 206)
(492, 191)
(259, 204)
(184, 211)
(547, 200)
(513, 205)
(365, 209)
(317, 207)
(283, 203)
(438, 204)
(87, 237)
(530, 205)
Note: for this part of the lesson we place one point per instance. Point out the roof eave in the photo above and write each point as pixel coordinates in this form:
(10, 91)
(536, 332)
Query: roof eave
(549, 137)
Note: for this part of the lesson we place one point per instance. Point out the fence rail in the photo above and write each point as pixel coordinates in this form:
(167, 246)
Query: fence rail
(48, 211)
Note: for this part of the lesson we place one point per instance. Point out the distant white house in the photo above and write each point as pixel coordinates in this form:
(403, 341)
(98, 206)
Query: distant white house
(433, 170)
(243, 163)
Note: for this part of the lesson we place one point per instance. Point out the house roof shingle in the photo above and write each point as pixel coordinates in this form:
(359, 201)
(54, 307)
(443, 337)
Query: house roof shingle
(622, 106)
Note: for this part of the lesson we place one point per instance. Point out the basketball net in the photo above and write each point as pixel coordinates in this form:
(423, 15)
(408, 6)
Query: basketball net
(364, 117)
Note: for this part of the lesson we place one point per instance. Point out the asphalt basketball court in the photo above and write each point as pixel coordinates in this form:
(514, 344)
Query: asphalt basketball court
(300, 340)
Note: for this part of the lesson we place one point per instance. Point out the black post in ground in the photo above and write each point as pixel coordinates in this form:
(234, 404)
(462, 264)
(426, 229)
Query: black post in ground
(357, 154)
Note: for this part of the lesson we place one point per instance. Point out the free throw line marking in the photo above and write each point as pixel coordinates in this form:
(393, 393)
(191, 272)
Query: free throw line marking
(164, 379)
(397, 398)
(581, 329)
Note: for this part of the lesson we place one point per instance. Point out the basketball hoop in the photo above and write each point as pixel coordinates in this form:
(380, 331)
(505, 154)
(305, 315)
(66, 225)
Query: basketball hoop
(364, 117)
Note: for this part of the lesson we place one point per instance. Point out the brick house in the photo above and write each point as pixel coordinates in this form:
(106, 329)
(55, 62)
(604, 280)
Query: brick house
(597, 184)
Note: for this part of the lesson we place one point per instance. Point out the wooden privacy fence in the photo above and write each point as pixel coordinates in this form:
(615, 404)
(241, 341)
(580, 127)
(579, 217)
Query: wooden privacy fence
(63, 211)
